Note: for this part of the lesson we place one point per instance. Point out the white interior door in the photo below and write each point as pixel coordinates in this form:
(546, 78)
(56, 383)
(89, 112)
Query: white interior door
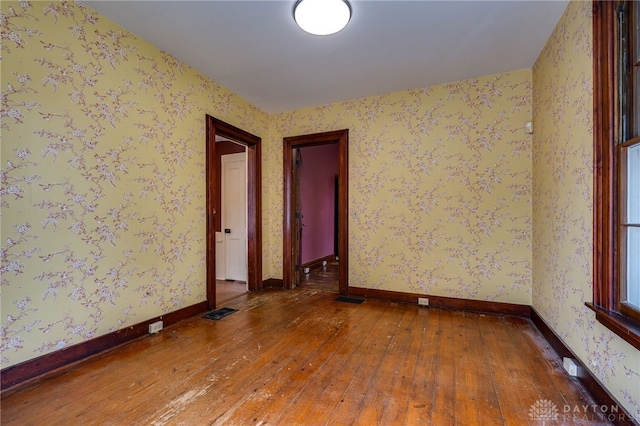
(234, 215)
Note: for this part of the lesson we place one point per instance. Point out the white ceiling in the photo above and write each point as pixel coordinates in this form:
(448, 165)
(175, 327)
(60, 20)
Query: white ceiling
(255, 49)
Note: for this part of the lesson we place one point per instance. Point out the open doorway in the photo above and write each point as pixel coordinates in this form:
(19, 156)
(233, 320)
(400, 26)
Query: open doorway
(317, 167)
(293, 220)
(231, 220)
(217, 129)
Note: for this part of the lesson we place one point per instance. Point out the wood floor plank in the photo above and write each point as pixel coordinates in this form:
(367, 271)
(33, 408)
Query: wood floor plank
(423, 389)
(466, 389)
(322, 278)
(351, 356)
(552, 381)
(399, 397)
(536, 371)
(246, 368)
(300, 357)
(195, 371)
(301, 408)
(444, 405)
(366, 363)
(229, 290)
(488, 403)
(509, 374)
(381, 396)
(293, 377)
(156, 378)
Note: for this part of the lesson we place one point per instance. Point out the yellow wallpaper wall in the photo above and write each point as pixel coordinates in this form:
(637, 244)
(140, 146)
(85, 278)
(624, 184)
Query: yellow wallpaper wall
(103, 189)
(440, 187)
(103, 181)
(562, 206)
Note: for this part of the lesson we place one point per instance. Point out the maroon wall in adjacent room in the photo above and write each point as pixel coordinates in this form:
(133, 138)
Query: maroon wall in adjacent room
(317, 200)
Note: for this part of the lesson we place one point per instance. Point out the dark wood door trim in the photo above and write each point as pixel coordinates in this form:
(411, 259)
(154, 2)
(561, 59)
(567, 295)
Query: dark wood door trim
(254, 203)
(296, 206)
(341, 137)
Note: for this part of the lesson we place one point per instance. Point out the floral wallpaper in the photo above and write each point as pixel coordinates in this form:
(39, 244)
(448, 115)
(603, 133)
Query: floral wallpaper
(103, 186)
(440, 187)
(103, 181)
(562, 206)
(102, 177)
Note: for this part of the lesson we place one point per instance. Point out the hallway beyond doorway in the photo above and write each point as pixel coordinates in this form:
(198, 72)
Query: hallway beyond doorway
(322, 278)
(229, 290)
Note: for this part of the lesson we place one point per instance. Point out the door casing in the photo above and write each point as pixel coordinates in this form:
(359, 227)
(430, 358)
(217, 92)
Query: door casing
(218, 127)
(341, 137)
(297, 217)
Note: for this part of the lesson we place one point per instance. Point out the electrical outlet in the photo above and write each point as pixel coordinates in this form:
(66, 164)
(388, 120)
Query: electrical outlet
(570, 366)
(423, 301)
(155, 327)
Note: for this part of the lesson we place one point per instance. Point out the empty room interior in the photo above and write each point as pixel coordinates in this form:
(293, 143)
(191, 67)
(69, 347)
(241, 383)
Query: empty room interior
(212, 214)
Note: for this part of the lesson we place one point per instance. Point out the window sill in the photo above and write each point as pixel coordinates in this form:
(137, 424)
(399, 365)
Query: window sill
(618, 324)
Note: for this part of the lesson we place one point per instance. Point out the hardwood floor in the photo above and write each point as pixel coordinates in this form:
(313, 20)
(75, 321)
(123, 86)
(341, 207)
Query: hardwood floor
(229, 290)
(300, 357)
(321, 278)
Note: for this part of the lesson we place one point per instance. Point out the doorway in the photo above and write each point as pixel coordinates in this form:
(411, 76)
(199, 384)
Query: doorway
(292, 216)
(220, 129)
(233, 210)
(231, 220)
(317, 169)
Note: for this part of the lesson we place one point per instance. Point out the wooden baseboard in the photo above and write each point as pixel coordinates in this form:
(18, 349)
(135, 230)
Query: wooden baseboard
(589, 381)
(35, 369)
(318, 262)
(445, 302)
(273, 283)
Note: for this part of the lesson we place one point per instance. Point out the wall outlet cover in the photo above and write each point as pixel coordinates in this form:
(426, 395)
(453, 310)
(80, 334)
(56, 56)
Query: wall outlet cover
(155, 327)
(570, 366)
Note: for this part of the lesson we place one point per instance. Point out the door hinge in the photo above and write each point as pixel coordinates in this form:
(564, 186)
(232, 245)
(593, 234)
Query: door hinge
(298, 215)
(297, 268)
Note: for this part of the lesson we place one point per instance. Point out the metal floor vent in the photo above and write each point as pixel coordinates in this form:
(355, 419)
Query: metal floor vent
(348, 299)
(219, 313)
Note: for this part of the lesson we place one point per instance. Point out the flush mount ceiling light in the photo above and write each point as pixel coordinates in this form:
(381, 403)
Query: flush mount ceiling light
(322, 17)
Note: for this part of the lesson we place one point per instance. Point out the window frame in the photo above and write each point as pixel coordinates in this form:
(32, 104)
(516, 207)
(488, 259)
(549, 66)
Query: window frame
(625, 309)
(607, 167)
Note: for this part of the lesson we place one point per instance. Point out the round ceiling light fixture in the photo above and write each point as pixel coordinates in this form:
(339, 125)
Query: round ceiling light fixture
(322, 17)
